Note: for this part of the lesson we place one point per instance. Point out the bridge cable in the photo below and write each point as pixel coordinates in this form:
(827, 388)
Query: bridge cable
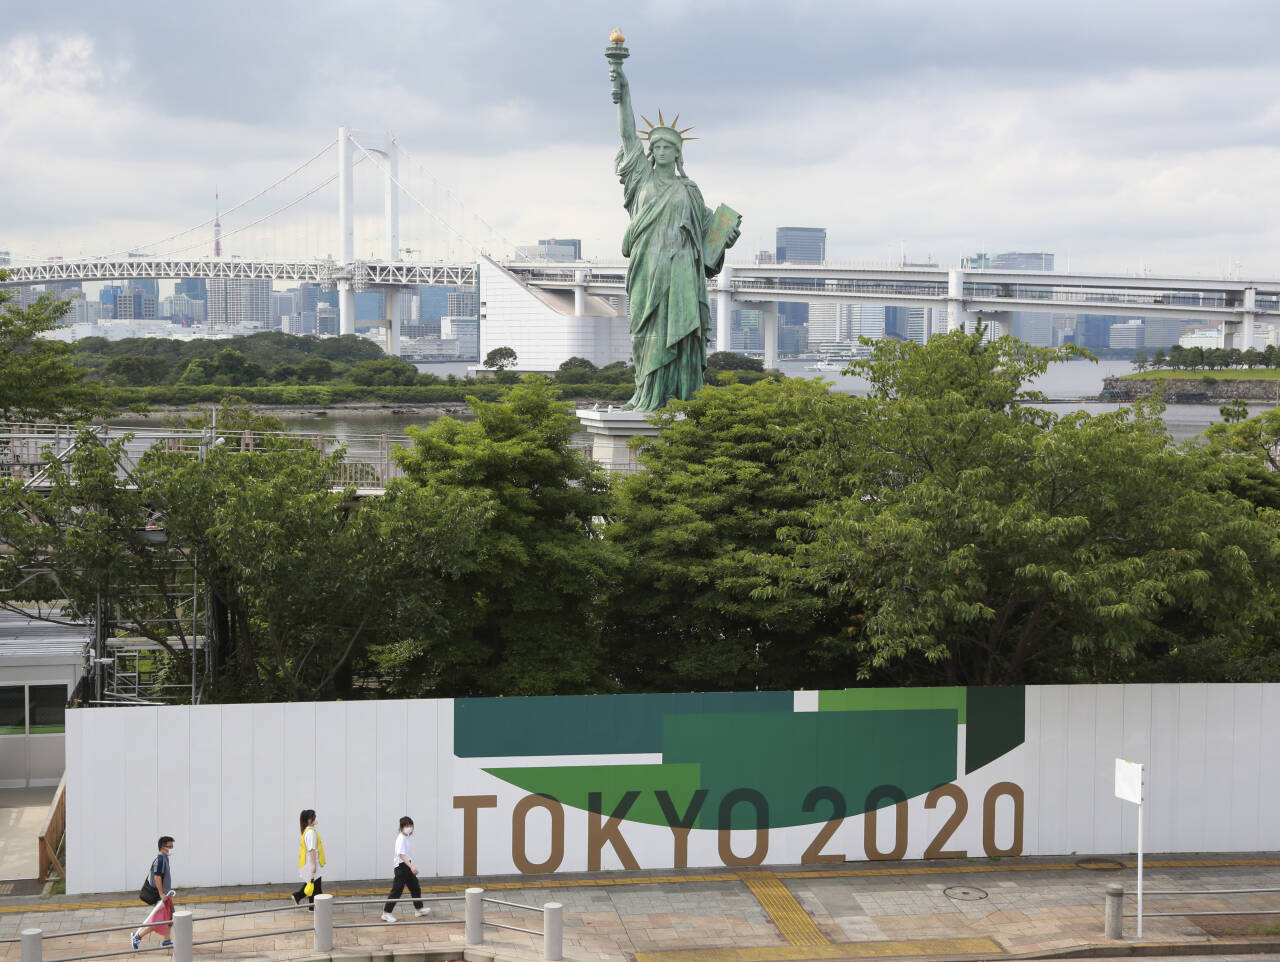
(268, 216)
(230, 210)
(426, 170)
(414, 197)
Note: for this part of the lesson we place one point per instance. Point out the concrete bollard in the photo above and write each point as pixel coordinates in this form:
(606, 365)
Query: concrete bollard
(32, 940)
(182, 936)
(553, 931)
(323, 923)
(1113, 927)
(475, 917)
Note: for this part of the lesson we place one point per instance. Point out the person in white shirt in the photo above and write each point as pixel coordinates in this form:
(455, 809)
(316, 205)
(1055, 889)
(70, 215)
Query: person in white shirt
(406, 873)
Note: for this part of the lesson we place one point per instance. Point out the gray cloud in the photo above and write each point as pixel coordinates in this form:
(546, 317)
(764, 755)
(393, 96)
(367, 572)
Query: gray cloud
(1123, 131)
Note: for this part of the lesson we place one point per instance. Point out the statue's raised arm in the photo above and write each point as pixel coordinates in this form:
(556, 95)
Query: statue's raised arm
(617, 53)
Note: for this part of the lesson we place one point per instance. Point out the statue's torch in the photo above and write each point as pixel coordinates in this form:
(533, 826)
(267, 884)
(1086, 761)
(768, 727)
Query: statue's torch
(615, 53)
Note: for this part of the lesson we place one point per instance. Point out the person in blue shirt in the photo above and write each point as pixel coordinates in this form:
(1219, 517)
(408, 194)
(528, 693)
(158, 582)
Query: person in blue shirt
(160, 882)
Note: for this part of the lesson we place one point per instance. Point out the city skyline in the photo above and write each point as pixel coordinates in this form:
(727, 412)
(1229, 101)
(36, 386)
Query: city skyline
(1144, 144)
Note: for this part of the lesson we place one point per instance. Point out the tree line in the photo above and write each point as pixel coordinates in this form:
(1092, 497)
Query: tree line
(1181, 358)
(942, 529)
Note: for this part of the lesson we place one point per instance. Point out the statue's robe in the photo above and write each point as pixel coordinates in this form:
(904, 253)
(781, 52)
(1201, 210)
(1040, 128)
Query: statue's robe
(666, 281)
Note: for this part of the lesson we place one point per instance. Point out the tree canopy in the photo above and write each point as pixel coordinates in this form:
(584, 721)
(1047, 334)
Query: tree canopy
(38, 382)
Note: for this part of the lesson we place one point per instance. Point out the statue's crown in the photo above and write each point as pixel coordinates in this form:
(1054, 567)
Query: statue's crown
(662, 129)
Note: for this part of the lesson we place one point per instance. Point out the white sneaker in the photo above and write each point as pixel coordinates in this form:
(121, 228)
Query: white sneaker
(419, 913)
(388, 917)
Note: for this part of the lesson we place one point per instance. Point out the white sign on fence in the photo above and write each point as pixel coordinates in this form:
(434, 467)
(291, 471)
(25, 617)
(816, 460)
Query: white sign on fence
(1129, 781)
(1130, 786)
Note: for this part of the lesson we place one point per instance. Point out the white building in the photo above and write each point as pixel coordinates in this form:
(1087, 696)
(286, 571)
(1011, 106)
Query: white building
(542, 326)
(239, 304)
(1126, 335)
(1264, 335)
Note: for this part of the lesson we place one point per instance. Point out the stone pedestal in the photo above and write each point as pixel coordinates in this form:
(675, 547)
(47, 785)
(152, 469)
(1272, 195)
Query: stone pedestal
(611, 429)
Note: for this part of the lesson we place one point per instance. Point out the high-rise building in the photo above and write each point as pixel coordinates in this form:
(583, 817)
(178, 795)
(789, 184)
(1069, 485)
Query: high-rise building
(107, 297)
(552, 249)
(239, 304)
(1022, 261)
(464, 330)
(192, 287)
(464, 302)
(863, 320)
(135, 302)
(801, 245)
(4, 258)
(1128, 334)
(433, 303)
(327, 321)
(745, 332)
(1162, 332)
(1094, 330)
(1033, 327)
(281, 310)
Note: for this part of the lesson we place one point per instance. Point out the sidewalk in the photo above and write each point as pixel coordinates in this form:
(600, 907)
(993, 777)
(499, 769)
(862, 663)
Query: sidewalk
(972, 908)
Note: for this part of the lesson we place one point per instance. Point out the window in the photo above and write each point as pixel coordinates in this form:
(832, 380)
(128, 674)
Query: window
(13, 710)
(48, 709)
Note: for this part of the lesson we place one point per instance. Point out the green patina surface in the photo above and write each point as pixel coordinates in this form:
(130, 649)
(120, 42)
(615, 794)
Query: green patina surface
(742, 745)
(588, 724)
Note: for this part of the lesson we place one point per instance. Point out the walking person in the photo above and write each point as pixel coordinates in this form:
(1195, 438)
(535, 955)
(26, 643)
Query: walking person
(157, 891)
(406, 874)
(310, 858)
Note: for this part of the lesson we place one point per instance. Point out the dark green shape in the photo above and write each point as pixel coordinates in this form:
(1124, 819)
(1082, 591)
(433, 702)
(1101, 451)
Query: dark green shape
(880, 699)
(574, 785)
(784, 757)
(588, 724)
(997, 724)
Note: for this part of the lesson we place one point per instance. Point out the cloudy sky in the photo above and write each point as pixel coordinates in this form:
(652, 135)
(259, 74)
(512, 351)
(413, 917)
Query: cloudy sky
(1121, 135)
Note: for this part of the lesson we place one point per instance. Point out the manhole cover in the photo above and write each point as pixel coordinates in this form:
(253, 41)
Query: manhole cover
(1100, 864)
(965, 893)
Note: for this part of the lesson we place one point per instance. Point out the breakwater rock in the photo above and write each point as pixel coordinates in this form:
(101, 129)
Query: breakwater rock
(1191, 390)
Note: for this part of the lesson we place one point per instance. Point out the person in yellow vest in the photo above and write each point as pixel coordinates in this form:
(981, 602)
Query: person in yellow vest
(310, 858)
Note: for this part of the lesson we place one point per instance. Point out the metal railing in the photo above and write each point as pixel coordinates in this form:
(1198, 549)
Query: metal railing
(182, 927)
(27, 450)
(1115, 915)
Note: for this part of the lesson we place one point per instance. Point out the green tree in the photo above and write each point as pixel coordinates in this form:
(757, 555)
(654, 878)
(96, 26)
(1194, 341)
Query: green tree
(1158, 359)
(576, 370)
(38, 381)
(731, 361)
(526, 621)
(91, 541)
(132, 369)
(1140, 361)
(500, 358)
(315, 369)
(983, 540)
(700, 527)
(383, 372)
(308, 582)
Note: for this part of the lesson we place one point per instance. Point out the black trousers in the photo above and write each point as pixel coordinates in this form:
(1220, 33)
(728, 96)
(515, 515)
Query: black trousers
(402, 878)
(299, 895)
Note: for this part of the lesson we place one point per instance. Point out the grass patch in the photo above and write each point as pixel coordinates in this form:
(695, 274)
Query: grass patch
(1231, 374)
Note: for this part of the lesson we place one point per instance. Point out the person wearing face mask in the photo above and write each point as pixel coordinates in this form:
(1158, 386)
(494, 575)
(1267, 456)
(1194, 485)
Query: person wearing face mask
(310, 859)
(157, 891)
(406, 874)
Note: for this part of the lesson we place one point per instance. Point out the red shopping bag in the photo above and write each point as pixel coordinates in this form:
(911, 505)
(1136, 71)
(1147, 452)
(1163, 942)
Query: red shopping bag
(163, 912)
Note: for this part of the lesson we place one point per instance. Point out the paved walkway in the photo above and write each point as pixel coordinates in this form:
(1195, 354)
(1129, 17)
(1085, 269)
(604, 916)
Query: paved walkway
(22, 815)
(961, 909)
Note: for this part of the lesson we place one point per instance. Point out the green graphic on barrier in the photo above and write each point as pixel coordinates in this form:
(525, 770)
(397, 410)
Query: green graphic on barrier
(737, 760)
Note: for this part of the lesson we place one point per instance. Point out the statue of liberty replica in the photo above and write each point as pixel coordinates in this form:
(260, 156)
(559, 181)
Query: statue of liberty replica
(673, 244)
